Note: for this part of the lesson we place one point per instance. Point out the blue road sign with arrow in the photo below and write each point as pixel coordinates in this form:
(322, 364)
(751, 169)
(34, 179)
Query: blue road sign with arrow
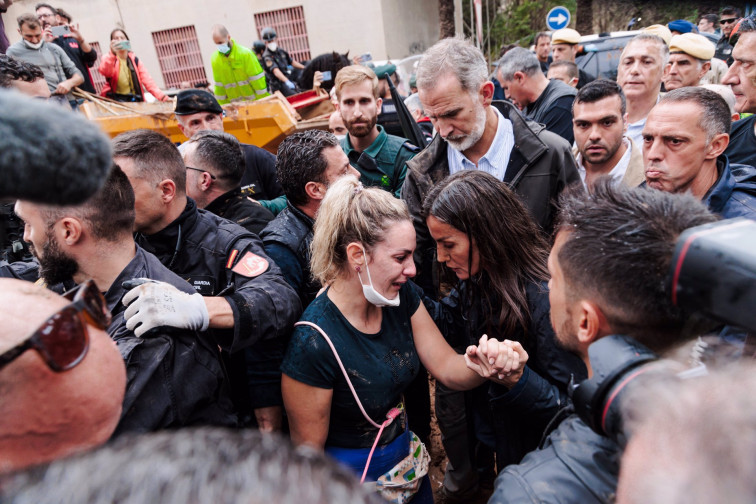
(558, 18)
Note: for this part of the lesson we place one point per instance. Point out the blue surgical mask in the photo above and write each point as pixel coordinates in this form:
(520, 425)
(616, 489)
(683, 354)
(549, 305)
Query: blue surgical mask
(223, 48)
(372, 295)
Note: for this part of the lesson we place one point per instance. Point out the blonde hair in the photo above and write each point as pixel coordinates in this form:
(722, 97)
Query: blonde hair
(354, 75)
(350, 213)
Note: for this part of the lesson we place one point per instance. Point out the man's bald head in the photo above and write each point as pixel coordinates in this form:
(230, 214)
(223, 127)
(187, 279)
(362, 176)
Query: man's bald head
(45, 415)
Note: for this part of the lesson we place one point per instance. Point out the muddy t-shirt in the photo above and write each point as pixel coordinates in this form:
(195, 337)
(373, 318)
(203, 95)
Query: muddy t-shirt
(380, 367)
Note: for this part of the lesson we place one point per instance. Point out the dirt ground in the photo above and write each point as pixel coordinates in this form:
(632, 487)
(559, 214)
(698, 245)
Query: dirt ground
(436, 449)
(438, 457)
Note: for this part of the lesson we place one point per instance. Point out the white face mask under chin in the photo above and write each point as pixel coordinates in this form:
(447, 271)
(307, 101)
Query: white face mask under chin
(33, 46)
(372, 295)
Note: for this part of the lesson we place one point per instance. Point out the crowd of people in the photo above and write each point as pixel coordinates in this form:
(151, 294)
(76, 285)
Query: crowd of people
(171, 300)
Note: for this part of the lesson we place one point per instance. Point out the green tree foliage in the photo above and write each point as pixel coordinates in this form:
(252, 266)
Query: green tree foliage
(511, 22)
(517, 21)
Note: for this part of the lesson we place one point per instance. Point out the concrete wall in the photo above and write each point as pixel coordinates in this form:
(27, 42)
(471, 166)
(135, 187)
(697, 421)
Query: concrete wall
(386, 28)
(411, 26)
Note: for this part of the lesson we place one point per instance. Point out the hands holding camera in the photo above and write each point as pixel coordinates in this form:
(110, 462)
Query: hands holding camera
(501, 361)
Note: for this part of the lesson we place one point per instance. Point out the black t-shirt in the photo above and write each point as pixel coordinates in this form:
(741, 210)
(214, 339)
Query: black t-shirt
(742, 148)
(558, 117)
(380, 366)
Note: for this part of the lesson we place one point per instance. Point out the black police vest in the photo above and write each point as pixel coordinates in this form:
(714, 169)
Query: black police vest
(293, 229)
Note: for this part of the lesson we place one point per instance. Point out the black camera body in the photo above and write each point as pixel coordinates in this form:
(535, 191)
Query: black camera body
(616, 362)
(713, 272)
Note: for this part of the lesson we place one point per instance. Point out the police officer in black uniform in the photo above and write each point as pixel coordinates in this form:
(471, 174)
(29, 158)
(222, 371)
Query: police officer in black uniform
(307, 163)
(279, 66)
(215, 165)
(248, 303)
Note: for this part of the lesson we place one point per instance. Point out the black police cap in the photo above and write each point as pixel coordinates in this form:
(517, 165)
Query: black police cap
(191, 101)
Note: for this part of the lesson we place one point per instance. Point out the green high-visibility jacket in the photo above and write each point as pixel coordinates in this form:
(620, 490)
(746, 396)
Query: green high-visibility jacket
(238, 75)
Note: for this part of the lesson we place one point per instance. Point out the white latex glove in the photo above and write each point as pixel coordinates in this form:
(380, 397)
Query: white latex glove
(156, 304)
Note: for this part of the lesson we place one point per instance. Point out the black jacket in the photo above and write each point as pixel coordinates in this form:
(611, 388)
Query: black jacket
(259, 181)
(553, 109)
(734, 192)
(519, 416)
(575, 465)
(724, 50)
(174, 377)
(540, 167)
(237, 208)
(203, 249)
(287, 240)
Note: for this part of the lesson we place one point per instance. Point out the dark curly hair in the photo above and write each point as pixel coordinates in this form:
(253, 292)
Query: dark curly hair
(13, 70)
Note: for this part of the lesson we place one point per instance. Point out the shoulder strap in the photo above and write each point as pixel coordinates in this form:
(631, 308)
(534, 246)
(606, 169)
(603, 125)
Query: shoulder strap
(392, 414)
(341, 365)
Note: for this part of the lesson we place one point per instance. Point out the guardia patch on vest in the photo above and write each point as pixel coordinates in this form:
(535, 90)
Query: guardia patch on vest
(250, 265)
(203, 284)
(249, 190)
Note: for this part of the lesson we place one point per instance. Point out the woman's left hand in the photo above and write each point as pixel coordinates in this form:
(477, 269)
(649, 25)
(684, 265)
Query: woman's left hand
(500, 361)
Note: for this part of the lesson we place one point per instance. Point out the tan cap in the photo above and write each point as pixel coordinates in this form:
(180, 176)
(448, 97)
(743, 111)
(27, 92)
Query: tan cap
(692, 44)
(660, 31)
(565, 36)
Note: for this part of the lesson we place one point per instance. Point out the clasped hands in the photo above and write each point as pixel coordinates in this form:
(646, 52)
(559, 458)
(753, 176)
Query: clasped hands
(501, 361)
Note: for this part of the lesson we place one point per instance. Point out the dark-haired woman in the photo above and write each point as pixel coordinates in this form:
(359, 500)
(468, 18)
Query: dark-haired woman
(127, 79)
(485, 235)
(375, 321)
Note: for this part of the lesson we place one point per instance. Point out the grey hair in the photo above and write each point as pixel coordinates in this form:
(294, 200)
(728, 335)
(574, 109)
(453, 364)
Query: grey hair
(725, 92)
(518, 59)
(199, 465)
(650, 37)
(715, 113)
(455, 56)
(703, 432)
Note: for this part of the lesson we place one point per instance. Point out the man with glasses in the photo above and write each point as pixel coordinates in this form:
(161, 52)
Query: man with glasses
(74, 44)
(728, 19)
(215, 166)
(173, 378)
(198, 110)
(62, 380)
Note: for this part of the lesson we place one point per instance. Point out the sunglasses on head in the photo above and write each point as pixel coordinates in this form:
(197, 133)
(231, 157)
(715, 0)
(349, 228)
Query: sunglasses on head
(62, 340)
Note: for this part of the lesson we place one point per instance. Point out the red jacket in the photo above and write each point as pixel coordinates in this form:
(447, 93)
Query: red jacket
(109, 68)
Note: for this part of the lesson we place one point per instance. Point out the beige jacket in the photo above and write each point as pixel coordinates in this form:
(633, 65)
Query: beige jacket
(635, 174)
